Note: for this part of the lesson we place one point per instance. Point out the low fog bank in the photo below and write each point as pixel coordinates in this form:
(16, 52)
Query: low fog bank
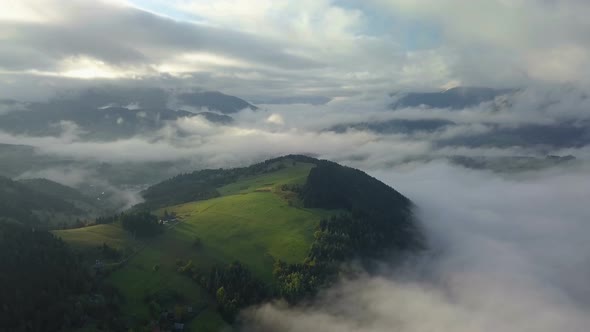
(360, 130)
(507, 254)
(110, 197)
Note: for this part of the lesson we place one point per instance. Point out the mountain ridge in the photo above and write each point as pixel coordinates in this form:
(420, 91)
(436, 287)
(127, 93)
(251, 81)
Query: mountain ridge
(280, 228)
(453, 98)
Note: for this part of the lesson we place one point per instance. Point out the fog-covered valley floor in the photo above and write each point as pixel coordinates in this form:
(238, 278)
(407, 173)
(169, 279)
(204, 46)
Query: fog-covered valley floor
(506, 254)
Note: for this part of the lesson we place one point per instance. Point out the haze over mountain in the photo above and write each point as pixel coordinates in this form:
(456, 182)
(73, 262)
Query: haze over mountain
(454, 98)
(107, 113)
(216, 101)
(45, 204)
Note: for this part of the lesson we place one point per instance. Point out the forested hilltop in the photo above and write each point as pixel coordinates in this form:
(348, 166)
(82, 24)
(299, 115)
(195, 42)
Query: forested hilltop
(370, 219)
(203, 246)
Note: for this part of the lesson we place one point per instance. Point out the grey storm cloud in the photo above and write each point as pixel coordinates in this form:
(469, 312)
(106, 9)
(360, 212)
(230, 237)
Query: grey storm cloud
(128, 36)
(313, 50)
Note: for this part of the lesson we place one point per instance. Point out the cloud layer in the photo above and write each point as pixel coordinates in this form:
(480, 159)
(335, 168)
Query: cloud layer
(506, 255)
(307, 50)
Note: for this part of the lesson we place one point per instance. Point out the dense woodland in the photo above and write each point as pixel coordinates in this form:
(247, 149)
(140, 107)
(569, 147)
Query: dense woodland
(141, 223)
(20, 202)
(45, 287)
(233, 287)
(378, 221)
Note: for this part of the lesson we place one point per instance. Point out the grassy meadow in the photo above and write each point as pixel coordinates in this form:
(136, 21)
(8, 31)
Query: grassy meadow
(254, 222)
(94, 236)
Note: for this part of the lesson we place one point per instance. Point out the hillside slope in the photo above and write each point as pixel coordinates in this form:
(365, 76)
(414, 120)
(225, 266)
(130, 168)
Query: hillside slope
(275, 229)
(42, 203)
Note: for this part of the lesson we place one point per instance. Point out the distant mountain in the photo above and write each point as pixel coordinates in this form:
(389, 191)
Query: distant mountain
(455, 98)
(511, 164)
(105, 113)
(215, 101)
(395, 126)
(558, 135)
(98, 123)
(216, 117)
(568, 134)
(101, 123)
(286, 100)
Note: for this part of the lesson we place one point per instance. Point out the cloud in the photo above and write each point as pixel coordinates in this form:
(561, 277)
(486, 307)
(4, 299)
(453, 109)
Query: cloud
(144, 42)
(11, 105)
(302, 128)
(508, 254)
(69, 176)
(85, 177)
(245, 44)
(506, 41)
(276, 119)
(273, 50)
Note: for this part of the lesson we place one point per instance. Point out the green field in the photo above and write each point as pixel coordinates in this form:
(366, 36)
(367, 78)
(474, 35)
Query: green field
(94, 236)
(291, 174)
(254, 222)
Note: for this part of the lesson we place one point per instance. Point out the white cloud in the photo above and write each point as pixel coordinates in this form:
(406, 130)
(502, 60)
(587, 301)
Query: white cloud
(327, 47)
(276, 119)
(508, 255)
(497, 40)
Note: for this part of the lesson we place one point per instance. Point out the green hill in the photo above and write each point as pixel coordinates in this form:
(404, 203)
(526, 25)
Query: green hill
(289, 222)
(42, 203)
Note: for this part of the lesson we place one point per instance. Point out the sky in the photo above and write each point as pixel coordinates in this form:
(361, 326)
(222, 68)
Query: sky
(327, 48)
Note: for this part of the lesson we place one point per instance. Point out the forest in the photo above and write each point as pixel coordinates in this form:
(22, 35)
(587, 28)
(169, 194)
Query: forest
(377, 221)
(141, 223)
(19, 202)
(46, 287)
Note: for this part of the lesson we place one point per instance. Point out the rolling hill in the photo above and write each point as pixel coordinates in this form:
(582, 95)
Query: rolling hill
(243, 233)
(43, 203)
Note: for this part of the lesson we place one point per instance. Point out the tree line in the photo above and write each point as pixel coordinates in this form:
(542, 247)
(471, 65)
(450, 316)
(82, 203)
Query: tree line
(203, 184)
(376, 220)
(44, 286)
(233, 287)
